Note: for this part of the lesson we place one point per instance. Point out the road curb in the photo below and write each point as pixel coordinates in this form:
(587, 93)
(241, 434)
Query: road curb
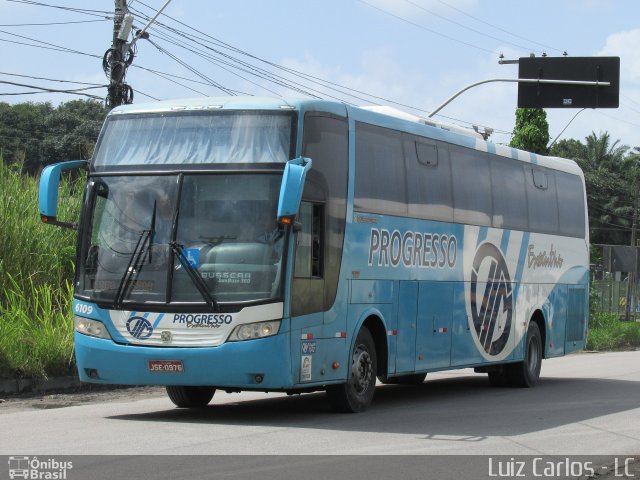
(28, 385)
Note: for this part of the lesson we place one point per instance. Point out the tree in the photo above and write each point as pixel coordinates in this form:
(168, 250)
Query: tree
(36, 134)
(604, 155)
(569, 148)
(531, 131)
(610, 177)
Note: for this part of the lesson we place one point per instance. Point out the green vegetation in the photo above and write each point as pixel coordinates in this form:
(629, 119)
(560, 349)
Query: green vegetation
(36, 272)
(36, 134)
(607, 332)
(531, 131)
(612, 176)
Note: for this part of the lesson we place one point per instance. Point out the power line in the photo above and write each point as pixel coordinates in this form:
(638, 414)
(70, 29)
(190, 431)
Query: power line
(49, 79)
(497, 27)
(77, 91)
(145, 94)
(617, 119)
(422, 27)
(50, 23)
(465, 26)
(620, 227)
(166, 75)
(603, 210)
(245, 67)
(310, 78)
(193, 70)
(45, 45)
(341, 89)
(250, 70)
(85, 11)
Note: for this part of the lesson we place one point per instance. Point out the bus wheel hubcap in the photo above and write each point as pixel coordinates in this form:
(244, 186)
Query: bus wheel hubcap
(362, 369)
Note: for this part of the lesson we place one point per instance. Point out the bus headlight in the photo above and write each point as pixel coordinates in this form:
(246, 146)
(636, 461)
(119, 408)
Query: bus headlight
(88, 326)
(251, 331)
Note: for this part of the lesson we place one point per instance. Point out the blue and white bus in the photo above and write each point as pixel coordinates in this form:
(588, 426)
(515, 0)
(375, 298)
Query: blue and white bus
(300, 245)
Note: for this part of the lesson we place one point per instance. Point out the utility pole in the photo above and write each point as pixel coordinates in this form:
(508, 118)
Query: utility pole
(119, 57)
(632, 299)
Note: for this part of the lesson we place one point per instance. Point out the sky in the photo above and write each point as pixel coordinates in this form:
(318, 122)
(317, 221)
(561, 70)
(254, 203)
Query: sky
(408, 54)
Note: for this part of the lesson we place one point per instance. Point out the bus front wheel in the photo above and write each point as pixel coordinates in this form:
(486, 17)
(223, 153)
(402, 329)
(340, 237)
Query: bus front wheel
(190, 397)
(356, 395)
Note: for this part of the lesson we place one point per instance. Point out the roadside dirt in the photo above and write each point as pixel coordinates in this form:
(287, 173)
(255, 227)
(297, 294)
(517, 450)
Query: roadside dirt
(14, 403)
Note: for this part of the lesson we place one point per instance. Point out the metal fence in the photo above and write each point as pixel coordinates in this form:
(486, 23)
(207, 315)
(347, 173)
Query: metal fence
(611, 296)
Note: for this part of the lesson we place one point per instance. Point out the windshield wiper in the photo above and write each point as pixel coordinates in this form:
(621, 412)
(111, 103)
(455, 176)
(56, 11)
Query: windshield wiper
(132, 267)
(178, 250)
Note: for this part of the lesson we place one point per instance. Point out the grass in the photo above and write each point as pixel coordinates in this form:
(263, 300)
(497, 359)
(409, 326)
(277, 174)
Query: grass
(36, 272)
(608, 332)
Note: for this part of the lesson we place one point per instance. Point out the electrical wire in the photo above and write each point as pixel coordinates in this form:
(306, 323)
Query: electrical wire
(193, 70)
(565, 127)
(466, 27)
(205, 40)
(167, 75)
(608, 212)
(45, 45)
(85, 11)
(77, 91)
(498, 28)
(422, 27)
(50, 79)
(313, 79)
(52, 23)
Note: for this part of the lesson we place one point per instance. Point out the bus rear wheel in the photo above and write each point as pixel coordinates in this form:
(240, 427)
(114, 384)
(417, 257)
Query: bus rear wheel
(526, 374)
(190, 397)
(356, 395)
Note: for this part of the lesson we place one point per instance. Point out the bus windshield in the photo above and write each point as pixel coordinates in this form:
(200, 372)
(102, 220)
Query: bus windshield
(148, 234)
(194, 137)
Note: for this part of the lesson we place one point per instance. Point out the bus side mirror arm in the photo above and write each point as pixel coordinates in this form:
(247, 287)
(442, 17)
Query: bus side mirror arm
(48, 191)
(295, 173)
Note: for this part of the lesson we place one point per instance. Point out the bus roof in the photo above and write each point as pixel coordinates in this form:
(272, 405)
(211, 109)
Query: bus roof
(379, 115)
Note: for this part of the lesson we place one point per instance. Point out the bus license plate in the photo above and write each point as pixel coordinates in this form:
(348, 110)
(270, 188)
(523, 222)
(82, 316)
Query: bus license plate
(171, 366)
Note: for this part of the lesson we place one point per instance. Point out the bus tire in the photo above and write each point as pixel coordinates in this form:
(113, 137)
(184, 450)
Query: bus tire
(526, 374)
(411, 379)
(190, 397)
(357, 393)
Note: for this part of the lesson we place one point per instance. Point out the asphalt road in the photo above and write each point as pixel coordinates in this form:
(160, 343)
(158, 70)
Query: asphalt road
(585, 404)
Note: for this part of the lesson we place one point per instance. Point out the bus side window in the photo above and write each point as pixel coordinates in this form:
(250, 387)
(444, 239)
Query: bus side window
(309, 242)
(428, 179)
(542, 201)
(472, 203)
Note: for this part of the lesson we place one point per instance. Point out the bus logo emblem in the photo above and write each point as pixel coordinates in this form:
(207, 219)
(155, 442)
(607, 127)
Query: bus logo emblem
(139, 327)
(491, 299)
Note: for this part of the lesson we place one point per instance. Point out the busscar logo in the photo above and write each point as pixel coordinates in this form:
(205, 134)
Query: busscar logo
(491, 298)
(139, 327)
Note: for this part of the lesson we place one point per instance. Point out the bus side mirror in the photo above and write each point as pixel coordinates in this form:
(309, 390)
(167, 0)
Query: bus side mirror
(295, 172)
(48, 191)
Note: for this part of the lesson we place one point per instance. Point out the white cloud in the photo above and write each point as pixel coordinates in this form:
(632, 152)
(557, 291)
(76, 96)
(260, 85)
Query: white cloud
(625, 45)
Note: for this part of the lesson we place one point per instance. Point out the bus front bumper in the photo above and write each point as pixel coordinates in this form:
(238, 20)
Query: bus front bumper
(252, 364)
